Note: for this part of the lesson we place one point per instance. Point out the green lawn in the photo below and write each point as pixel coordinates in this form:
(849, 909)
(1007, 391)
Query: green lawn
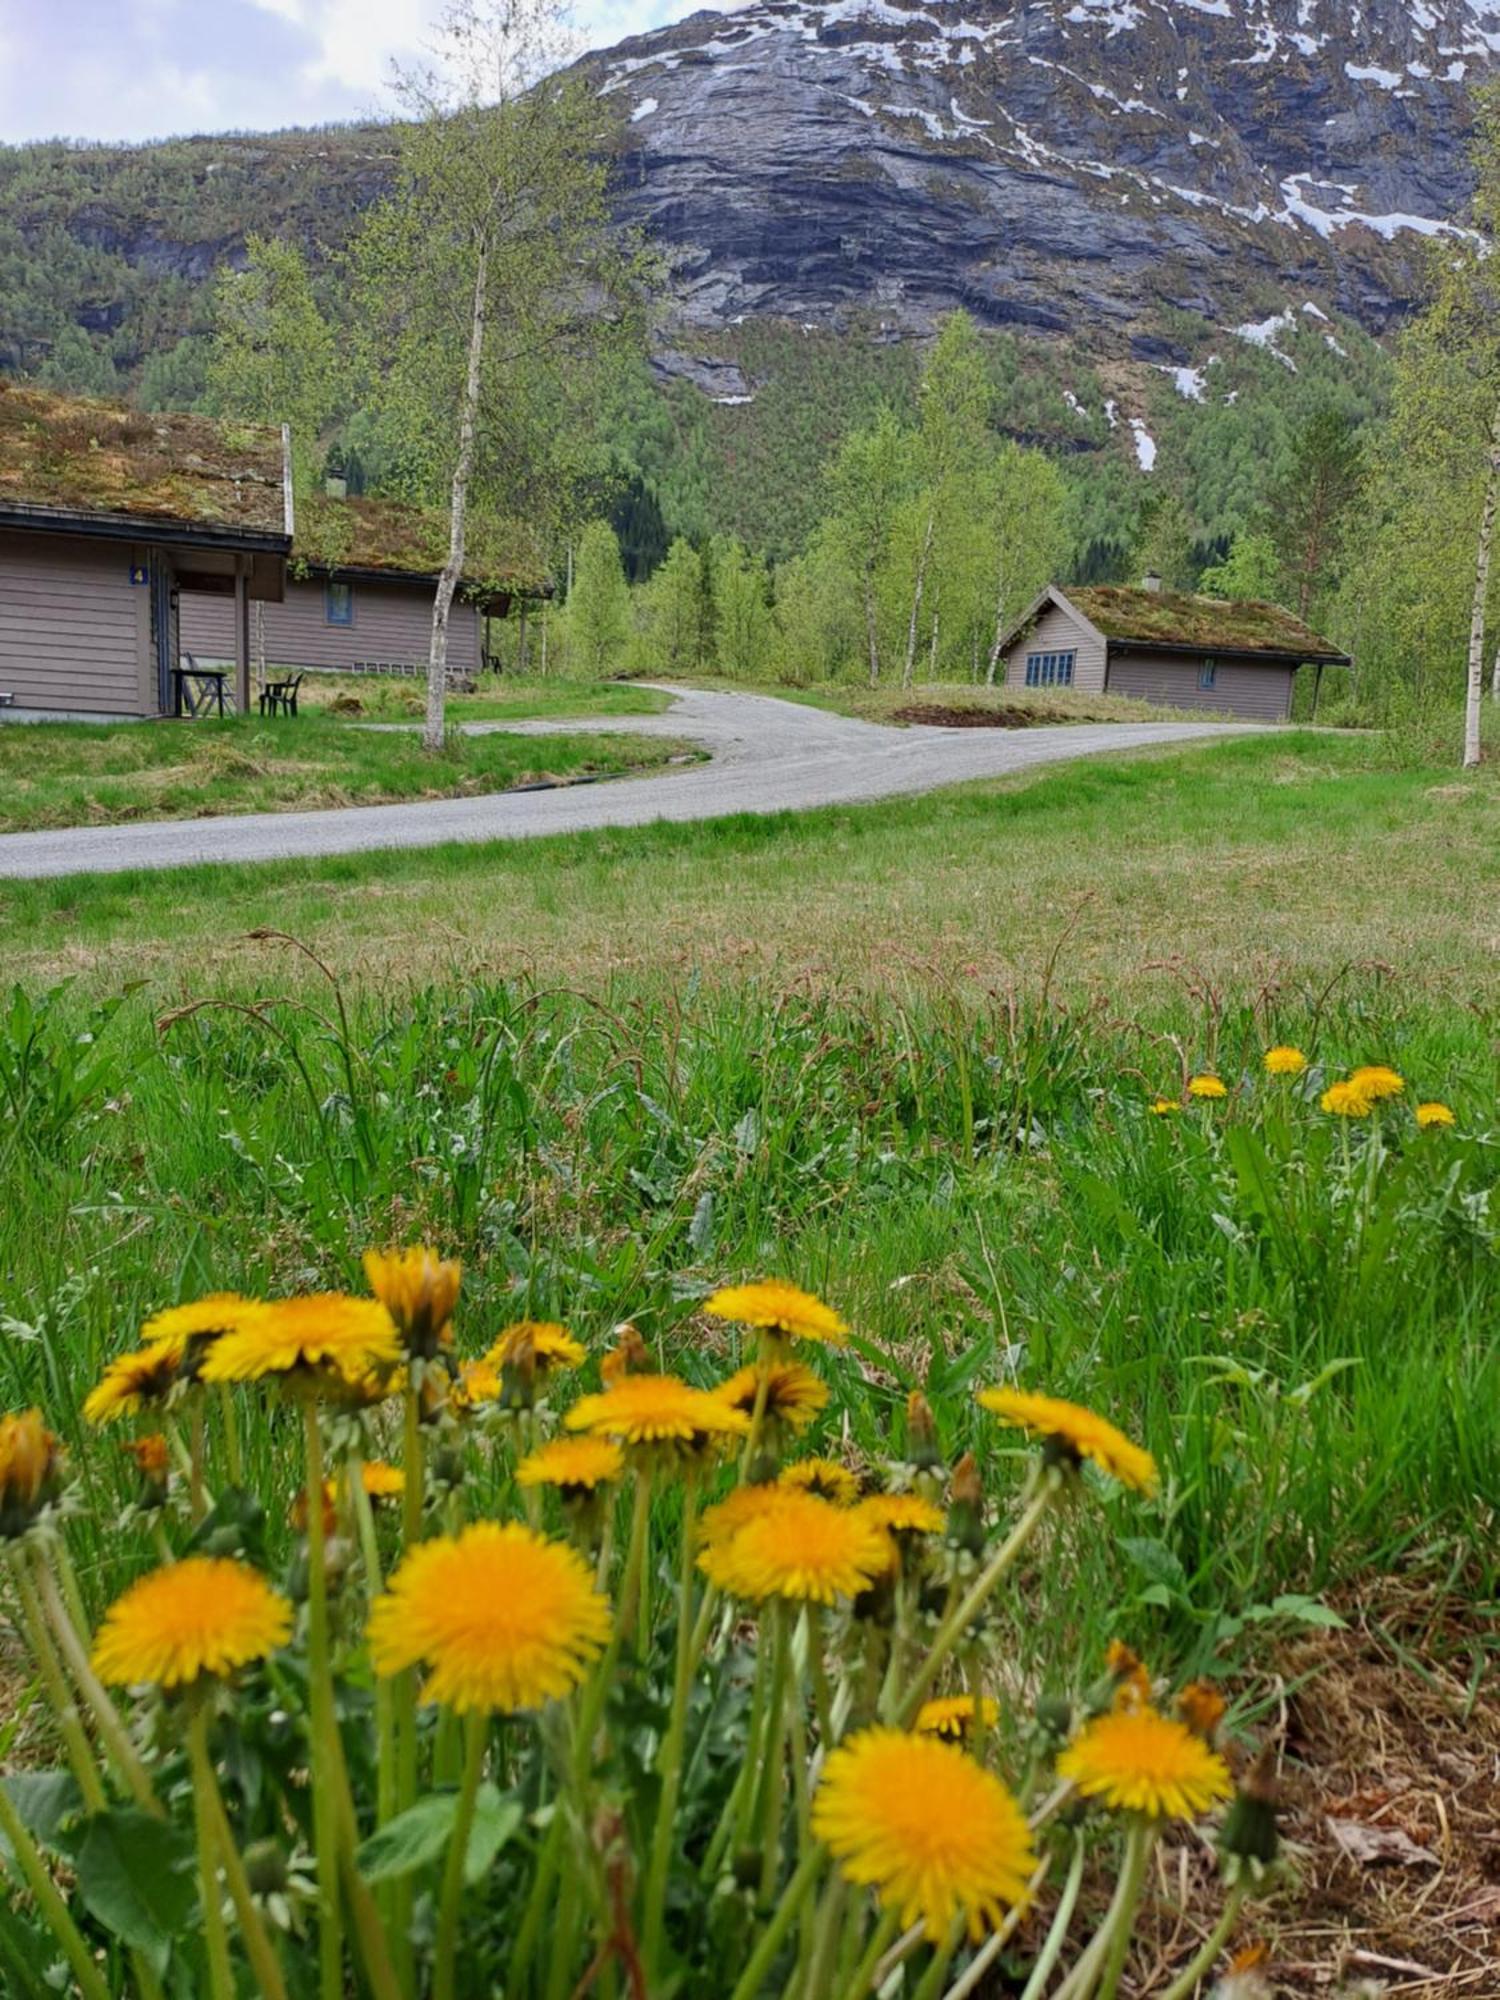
(1266, 860)
(386, 698)
(74, 774)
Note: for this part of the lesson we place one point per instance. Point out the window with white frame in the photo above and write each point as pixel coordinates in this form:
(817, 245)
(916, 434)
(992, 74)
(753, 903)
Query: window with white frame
(338, 603)
(1047, 670)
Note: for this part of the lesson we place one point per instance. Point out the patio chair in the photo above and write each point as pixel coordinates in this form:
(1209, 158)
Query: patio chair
(280, 696)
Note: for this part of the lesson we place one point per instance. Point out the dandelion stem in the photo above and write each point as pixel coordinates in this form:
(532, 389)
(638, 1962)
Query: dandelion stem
(771, 1777)
(930, 1985)
(215, 1937)
(769, 1943)
(632, 1583)
(476, 1732)
(817, 1668)
(739, 1808)
(758, 1411)
(536, 1903)
(669, 1762)
(233, 1463)
(983, 1959)
(214, 1824)
(80, 1751)
(1132, 1881)
(197, 1499)
(113, 1731)
(875, 1950)
(1203, 1959)
(324, 1723)
(959, 1620)
(48, 1900)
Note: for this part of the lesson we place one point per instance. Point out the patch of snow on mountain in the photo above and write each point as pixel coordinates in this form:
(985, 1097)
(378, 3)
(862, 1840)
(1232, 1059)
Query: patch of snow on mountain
(1116, 15)
(644, 109)
(1110, 416)
(1145, 445)
(1188, 382)
(1388, 79)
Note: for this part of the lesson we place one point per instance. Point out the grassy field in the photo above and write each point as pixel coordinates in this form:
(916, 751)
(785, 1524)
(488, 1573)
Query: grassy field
(1270, 860)
(74, 774)
(387, 698)
(1021, 706)
(906, 1055)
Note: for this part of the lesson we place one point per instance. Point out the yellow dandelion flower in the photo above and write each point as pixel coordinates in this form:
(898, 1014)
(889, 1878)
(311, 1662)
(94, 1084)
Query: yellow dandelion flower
(1201, 1707)
(823, 1476)
(152, 1460)
(503, 1619)
(1163, 1107)
(1284, 1060)
(952, 1716)
(658, 1409)
(382, 1481)
(419, 1289)
(552, 1346)
(1130, 1673)
(1429, 1115)
(794, 1394)
(1139, 1760)
(1073, 1433)
(932, 1832)
(575, 1464)
(903, 1513)
(203, 1615)
(779, 1309)
(1377, 1081)
(189, 1328)
(326, 1336)
(1347, 1100)
(31, 1467)
(799, 1547)
(721, 1522)
(133, 1382)
(1207, 1086)
(478, 1383)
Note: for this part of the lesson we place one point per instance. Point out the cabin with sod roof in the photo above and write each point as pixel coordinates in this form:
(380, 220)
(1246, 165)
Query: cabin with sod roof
(359, 592)
(1236, 657)
(110, 520)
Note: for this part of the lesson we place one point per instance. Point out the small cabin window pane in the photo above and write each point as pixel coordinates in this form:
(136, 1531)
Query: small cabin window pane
(338, 603)
(1045, 670)
(1207, 674)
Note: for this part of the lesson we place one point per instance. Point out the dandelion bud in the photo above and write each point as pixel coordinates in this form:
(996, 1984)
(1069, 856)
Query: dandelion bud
(1054, 1716)
(629, 1356)
(966, 1506)
(153, 1465)
(1201, 1707)
(31, 1467)
(419, 1290)
(922, 1447)
(518, 1376)
(266, 1867)
(747, 1867)
(447, 1466)
(1249, 1837)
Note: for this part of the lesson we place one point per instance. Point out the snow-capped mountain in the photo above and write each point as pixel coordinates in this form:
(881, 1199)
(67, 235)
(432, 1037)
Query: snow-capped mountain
(1069, 165)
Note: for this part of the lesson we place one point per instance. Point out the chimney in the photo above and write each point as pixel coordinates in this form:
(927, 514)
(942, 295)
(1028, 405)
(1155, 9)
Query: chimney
(1151, 581)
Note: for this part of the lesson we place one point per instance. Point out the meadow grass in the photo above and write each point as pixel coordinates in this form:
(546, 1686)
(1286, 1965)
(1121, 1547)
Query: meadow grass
(1261, 860)
(80, 774)
(1296, 1318)
(497, 698)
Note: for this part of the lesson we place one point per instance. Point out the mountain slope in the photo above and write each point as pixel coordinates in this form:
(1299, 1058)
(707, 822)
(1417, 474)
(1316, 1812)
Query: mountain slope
(1071, 168)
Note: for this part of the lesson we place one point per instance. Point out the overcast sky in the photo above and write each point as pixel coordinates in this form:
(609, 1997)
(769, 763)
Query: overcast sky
(141, 69)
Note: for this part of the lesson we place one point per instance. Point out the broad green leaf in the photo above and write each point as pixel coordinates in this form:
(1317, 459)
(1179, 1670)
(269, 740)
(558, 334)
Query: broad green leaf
(495, 1820)
(43, 1801)
(136, 1876)
(411, 1840)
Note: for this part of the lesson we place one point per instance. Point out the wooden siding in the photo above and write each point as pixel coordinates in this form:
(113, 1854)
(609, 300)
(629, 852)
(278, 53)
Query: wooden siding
(1263, 694)
(1056, 632)
(74, 630)
(392, 628)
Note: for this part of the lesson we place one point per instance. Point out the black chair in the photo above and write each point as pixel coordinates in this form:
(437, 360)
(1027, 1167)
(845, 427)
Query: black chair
(280, 695)
(195, 689)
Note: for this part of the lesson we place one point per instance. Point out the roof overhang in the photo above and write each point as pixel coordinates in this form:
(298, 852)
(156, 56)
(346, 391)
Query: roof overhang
(139, 528)
(1251, 656)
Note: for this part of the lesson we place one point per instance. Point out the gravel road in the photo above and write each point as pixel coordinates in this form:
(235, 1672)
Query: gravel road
(766, 756)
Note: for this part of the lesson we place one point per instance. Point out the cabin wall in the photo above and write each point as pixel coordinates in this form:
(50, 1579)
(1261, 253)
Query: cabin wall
(391, 627)
(1259, 694)
(1057, 631)
(75, 632)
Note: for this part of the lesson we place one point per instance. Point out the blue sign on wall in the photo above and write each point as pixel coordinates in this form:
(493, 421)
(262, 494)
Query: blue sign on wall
(140, 573)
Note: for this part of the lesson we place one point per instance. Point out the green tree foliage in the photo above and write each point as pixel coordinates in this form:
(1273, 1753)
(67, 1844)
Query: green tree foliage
(274, 357)
(597, 620)
(870, 486)
(1252, 568)
(1308, 507)
(1165, 544)
(676, 613)
(744, 631)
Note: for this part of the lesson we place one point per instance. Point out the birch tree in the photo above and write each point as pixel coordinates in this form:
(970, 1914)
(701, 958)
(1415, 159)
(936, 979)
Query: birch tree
(491, 284)
(274, 357)
(1027, 519)
(869, 482)
(956, 402)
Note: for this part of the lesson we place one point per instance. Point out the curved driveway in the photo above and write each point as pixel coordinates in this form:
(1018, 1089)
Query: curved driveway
(766, 756)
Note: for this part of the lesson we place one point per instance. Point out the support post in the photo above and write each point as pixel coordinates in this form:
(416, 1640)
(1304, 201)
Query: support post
(241, 638)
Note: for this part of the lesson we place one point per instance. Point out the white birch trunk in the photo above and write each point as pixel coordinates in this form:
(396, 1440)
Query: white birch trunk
(916, 601)
(1481, 594)
(872, 626)
(994, 660)
(458, 514)
(1495, 677)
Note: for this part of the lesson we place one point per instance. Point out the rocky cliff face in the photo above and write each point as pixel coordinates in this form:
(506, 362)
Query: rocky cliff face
(1071, 166)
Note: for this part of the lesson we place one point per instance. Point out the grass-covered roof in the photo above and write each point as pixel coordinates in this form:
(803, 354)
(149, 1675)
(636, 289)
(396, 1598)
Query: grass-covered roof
(1207, 624)
(69, 456)
(403, 540)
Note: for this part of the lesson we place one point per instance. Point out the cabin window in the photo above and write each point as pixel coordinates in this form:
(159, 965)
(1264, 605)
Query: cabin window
(1049, 670)
(1208, 673)
(338, 603)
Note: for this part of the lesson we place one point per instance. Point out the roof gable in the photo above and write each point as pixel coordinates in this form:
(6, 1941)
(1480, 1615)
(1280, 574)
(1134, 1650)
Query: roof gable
(66, 460)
